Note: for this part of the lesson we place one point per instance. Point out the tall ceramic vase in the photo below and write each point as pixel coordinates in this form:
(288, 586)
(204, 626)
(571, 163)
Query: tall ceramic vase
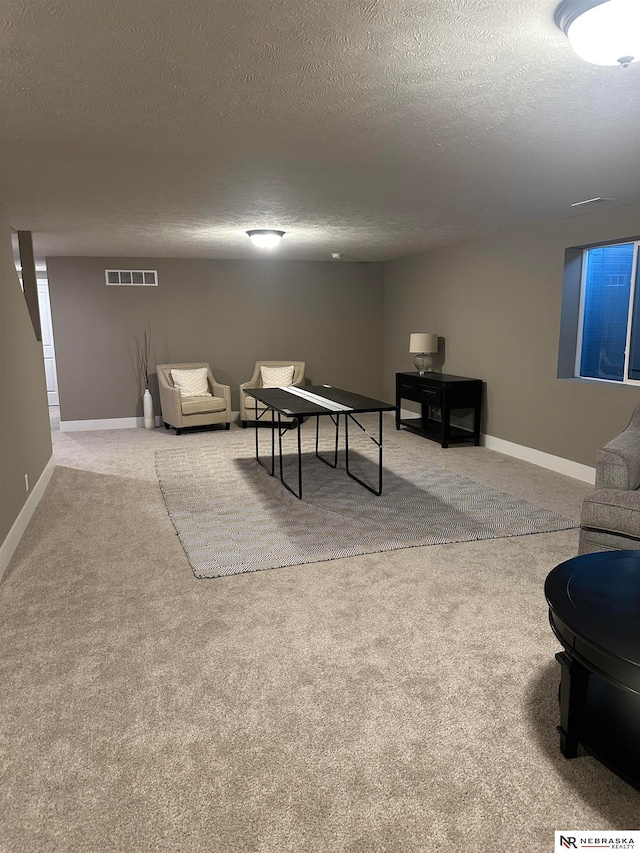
(147, 408)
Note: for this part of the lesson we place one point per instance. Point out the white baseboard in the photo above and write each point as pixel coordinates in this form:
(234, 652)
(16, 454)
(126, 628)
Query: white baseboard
(518, 451)
(14, 536)
(538, 457)
(105, 423)
(529, 454)
(116, 423)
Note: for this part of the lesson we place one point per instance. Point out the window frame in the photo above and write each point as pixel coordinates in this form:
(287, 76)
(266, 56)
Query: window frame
(572, 311)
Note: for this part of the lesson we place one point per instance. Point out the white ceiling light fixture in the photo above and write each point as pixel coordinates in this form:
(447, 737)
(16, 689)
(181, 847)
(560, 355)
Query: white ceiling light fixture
(603, 32)
(265, 238)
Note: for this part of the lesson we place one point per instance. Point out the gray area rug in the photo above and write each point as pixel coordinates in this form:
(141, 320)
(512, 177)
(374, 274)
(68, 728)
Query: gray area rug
(231, 516)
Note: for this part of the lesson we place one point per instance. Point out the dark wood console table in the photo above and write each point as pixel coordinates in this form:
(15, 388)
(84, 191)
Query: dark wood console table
(594, 611)
(447, 392)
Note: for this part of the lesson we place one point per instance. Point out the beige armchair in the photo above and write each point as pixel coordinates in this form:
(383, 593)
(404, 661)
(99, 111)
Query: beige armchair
(248, 404)
(181, 410)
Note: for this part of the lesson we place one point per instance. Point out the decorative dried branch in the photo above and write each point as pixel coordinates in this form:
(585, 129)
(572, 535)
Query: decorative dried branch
(143, 350)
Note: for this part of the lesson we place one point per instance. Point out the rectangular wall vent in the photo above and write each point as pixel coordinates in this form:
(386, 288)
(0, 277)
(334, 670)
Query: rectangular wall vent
(135, 278)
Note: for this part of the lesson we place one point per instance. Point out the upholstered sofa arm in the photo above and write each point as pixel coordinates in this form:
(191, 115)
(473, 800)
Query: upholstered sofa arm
(223, 391)
(170, 403)
(248, 405)
(618, 461)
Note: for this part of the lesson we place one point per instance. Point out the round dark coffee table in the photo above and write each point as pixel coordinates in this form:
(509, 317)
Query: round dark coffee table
(594, 611)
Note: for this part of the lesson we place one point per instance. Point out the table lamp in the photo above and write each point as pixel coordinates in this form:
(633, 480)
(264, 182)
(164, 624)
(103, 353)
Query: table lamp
(422, 345)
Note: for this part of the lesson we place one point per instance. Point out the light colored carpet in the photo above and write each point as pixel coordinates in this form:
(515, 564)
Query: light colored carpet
(231, 516)
(400, 702)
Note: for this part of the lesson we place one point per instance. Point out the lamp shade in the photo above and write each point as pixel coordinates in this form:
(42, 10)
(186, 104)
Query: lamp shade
(603, 32)
(423, 342)
(265, 238)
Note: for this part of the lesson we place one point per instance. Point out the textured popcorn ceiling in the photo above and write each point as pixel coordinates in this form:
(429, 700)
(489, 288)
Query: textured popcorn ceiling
(374, 128)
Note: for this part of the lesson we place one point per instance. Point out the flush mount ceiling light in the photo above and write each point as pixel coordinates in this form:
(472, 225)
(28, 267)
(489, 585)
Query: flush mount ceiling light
(265, 238)
(604, 32)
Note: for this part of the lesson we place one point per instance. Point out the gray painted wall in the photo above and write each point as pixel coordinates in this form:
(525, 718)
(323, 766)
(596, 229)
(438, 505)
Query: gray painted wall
(25, 437)
(496, 304)
(230, 313)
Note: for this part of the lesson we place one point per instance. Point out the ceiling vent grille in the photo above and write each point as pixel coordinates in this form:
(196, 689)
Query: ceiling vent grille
(132, 278)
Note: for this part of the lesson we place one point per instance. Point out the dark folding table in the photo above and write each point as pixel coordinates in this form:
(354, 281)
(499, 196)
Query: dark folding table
(316, 401)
